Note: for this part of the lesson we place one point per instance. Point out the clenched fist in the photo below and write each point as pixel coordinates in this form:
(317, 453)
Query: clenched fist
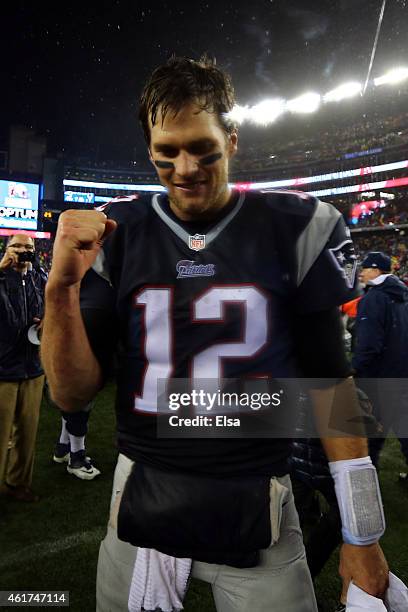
(79, 238)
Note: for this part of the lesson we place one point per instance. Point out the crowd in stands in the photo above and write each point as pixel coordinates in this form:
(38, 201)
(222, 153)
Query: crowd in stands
(86, 168)
(331, 142)
(44, 252)
(375, 122)
(395, 245)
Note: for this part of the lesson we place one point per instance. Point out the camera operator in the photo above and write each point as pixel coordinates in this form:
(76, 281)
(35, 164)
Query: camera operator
(22, 286)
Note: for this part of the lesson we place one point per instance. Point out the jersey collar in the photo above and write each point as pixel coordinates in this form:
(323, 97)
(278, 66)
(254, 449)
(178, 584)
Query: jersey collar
(184, 235)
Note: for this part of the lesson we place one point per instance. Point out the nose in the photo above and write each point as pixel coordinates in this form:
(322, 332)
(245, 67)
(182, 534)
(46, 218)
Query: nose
(186, 165)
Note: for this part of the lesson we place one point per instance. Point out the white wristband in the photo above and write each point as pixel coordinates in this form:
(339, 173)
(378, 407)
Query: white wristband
(359, 499)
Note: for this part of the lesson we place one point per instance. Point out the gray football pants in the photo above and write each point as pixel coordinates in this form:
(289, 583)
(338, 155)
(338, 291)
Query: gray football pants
(280, 582)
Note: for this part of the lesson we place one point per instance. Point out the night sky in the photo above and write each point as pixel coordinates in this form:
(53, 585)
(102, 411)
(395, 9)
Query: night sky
(75, 72)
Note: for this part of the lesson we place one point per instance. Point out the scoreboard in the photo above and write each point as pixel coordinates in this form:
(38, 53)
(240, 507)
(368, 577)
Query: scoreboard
(19, 205)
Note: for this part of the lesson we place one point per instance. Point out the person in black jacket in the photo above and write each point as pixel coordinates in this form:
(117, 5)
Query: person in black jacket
(380, 359)
(21, 375)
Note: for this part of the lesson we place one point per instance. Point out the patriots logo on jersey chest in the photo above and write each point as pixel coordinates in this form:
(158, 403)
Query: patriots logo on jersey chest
(186, 269)
(345, 260)
(196, 242)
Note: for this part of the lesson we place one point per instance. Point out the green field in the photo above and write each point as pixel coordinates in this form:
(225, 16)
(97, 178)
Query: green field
(53, 545)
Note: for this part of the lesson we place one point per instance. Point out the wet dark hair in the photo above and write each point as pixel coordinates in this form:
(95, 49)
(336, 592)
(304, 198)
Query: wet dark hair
(181, 81)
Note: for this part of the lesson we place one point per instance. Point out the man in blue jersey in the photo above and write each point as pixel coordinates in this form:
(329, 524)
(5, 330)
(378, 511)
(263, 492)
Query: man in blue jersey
(208, 283)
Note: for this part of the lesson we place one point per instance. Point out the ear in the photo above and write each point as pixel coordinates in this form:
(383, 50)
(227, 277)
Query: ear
(233, 143)
(151, 158)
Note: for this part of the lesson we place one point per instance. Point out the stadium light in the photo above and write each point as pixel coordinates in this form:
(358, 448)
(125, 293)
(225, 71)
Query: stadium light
(267, 111)
(239, 114)
(393, 76)
(347, 90)
(307, 103)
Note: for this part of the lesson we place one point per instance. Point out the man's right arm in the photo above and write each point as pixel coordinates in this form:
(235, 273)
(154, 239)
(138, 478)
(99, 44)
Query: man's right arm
(73, 372)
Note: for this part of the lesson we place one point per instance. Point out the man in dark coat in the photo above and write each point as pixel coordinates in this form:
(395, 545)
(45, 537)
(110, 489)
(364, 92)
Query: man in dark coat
(381, 354)
(21, 375)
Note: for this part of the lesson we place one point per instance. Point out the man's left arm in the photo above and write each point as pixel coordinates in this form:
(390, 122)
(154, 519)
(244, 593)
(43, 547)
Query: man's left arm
(340, 424)
(364, 564)
(326, 267)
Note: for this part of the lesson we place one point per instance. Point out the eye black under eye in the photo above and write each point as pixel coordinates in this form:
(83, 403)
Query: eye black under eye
(207, 160)
(210, 159)
(163, 164)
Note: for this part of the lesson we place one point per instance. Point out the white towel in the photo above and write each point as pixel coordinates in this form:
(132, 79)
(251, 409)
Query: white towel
(396, 598)
(159, 582)
(360, 601)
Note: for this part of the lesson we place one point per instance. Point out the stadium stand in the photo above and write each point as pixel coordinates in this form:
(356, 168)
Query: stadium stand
(375, 127)
(396, 245)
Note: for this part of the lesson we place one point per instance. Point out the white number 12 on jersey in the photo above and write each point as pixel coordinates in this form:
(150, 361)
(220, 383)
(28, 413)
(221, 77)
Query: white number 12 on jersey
(208, 307)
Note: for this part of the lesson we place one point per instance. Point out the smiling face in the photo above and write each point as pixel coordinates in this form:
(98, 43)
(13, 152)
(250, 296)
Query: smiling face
(191, 153)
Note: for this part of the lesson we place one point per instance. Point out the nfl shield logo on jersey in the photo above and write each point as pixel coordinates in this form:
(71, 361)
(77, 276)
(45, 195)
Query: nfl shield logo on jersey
(345, 260)
(196, 242)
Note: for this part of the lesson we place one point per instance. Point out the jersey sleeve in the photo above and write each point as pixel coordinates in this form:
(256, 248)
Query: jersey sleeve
(97, 301)
(326, 263)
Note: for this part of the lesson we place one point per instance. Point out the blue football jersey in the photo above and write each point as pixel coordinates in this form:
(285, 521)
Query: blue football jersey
(213, 301)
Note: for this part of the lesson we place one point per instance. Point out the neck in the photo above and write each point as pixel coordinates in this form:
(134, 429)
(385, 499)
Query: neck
(205, 215)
